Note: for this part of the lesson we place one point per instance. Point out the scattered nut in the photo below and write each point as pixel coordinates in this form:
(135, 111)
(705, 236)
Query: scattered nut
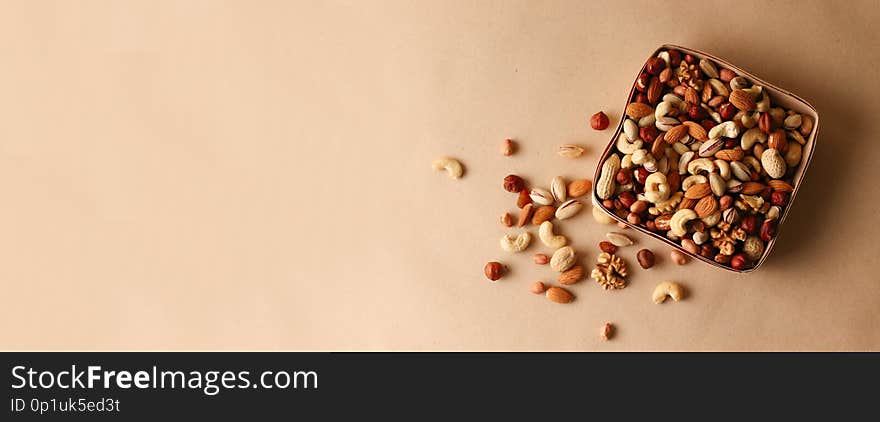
(563, 259)
(606, 331)
(601, 217)
(610, 272)
(579, 188)
(541, 196)
(507, 147)
(645, 258)
(599, 121)
(619, 239)
(524, 215)
(542, 214)
(667, 289)
(541, 259)
(678, 257)
(569, 209)
(514, 183)
(570, 151)
(493, 270)
(559, 295)
(516, 243)
(558, 189)
(506, 220)
(538, 287)
(545, 233)
(452, 166)
(607, 246)
(571, 276)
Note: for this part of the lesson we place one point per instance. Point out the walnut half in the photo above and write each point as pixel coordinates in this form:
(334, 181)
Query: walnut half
(610, 272)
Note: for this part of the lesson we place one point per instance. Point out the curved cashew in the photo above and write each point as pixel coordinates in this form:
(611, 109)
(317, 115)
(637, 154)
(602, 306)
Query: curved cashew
(701, 164)
(752, 136)
(656, 188)
(755, 90)
(451, 165)
(693, 180)
(651, 164)
(723, 168)
(545, 233)
(666, 124)
(679, 220)
(666, 206)
(677, 102)
(605, 184)
(684, 160)
(740, 171)
(630, 129)
(641, 156)
(664, 108)
(749, 120)
(727, 129)
(516, 243)
(667, 288)
(627, 146)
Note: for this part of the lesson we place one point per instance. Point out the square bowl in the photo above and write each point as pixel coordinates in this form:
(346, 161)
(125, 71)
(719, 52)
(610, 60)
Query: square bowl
(779, 98)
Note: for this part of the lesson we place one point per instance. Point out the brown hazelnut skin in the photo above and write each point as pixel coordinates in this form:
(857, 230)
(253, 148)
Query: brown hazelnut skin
(689, 59)
(648, 133)
(608, 203)
(626, 199)
(645, 258)
(655, 65)
(624, 176)
(674, 57)
(641, 98)
(642, 82)
(739, 261)
(633, 218)
(722, 258)
(768, 230)
(708, 251)
(493, 270)
(650, 225)
(727, 111)
(707, 124)
(641, 174)
(726, 75)
(725, 202)
(599, 121)
(514, 183)
(779, 198)
(697, 113)
(749, 223)
(607, 246)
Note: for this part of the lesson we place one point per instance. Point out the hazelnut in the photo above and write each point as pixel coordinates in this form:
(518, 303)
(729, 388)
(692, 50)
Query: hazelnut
(607, 247)
(645, 258)
(626, 199)
(707, 124)
(538, 287)
(731, 143)
(779, 198)
(639, 207)
(727, 111)
(749, 224)
(541, 259)
(655, 65)
(739, 261)
(768, 230)
(624, 176)
(689, 59)
(708, 251)
(648, 133)
(599, 121)
(633, 218)
(678, 257)
(722, 258)
(514, 183)
(641, 174)
(608, 204)
(494, 270)
(697, 112)
(650, 225)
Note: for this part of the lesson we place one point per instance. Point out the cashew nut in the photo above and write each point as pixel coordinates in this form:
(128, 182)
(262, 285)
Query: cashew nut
(627, 146)
(750, 120)
(708, 68)
(516, 243)
(751, 136)
(684, 160)
(666, 206)
(667, 288)
(676, 101)
(450, 165)
(693, 180)
(764, 104)
(656, 187)
(701, 164)
(777, 114)
(641, 156)
(727, 129)
(723, 168)
(679, 220)
(664, 108)
(545, 233)
(793, 134)
(605, 184)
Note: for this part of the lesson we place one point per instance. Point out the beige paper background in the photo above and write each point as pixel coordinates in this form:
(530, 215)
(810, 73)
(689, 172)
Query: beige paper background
(256, 175)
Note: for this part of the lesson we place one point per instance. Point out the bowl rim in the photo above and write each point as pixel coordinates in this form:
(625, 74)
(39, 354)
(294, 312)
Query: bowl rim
(809, 149)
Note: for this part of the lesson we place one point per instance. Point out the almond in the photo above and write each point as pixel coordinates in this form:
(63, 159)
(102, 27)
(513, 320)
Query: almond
(742, 100)
(658, 148)
(543, 214)
(735, 154)
(780, 186)
(751, 188)
(691, 96)
(638, 110)
(687, 203)
(706, 206)
(579, 187)
(523, 198)
(524, 215)
(707, 93)
(571, 276)
(655, 88)
(675, 134)
(559, 295)
(698, 191)
(696, 131)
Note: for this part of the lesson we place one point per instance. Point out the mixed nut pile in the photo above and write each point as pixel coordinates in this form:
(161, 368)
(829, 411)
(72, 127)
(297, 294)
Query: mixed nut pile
(704, 158)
